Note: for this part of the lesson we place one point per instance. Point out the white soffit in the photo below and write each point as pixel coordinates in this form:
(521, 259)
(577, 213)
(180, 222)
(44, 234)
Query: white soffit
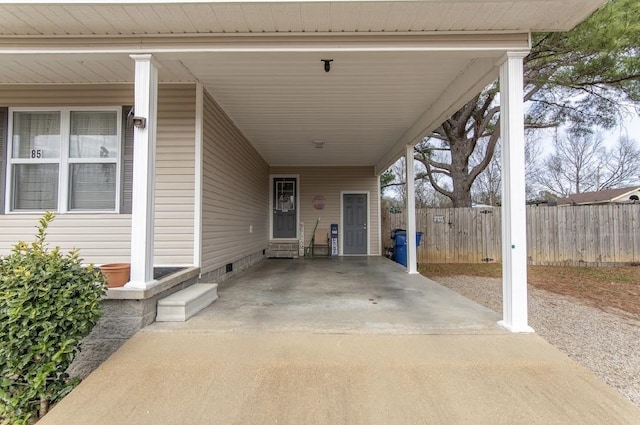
(81, 69)
(283, 102)
(101, 18)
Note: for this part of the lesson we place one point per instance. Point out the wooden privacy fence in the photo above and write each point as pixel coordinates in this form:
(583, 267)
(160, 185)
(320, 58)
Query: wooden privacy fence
(568, 235)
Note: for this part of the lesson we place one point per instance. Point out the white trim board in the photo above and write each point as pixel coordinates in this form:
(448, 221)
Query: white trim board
(277, 42)
(197, 199)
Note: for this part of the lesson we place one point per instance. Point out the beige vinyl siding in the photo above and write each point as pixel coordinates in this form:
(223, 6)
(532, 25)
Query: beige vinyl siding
(175, 175)
(105, 238)
(235, 189)
(330, 182)
(101, 238)
(66, 95)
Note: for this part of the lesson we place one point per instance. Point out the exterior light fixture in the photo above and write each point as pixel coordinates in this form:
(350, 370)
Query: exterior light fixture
(139, 122)
(327, 64)
(133, 120)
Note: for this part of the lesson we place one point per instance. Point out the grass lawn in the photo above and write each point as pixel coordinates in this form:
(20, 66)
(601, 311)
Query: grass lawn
(607, 288)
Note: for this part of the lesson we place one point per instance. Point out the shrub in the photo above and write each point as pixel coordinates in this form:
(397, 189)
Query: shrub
(48, 303)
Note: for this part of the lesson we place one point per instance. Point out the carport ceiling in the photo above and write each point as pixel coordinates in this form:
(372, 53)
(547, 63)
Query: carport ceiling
(399, 67)
(283, 102)
(143, 17)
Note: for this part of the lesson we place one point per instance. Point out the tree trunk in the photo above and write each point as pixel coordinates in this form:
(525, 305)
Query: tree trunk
(461, 195)
(461, 199)
(460, 152)
(44, 407)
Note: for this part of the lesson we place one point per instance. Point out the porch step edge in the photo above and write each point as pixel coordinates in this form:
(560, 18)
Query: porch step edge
(283, 250)
(184, 304)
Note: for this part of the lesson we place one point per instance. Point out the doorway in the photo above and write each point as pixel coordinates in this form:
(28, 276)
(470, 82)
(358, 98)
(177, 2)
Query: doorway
(284, 198)
(355, 217)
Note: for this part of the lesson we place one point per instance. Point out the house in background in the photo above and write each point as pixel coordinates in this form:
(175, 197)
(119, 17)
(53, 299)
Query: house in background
(202, 134)
(607, 196)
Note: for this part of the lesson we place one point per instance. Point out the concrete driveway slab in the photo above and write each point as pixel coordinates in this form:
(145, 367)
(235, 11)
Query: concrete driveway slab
(341, 295)
(292, 379)
(353, 341)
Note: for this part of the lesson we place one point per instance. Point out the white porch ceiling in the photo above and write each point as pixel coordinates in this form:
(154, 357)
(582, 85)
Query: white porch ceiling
(49, 18)
(80, 69)
(285, 101)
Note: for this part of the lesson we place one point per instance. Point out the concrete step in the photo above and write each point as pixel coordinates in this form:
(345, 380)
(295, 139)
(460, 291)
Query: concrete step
(184, 304)
(283, 250)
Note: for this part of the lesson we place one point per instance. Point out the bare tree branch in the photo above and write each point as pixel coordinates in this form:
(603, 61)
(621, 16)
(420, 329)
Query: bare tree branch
(491, 146)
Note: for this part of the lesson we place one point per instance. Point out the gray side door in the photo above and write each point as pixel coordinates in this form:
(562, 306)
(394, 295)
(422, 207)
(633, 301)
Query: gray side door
(284, 208)
(355, 223)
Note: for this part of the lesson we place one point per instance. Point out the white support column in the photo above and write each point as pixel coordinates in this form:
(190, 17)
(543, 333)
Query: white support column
(412, 257)
(514, 226)
(144, 164)
(197, 207)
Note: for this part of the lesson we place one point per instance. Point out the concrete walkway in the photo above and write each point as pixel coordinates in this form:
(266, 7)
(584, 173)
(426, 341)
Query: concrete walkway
(269, 363)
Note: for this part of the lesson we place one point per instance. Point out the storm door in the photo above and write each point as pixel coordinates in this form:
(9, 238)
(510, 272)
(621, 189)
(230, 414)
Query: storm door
(284, 208)
(355, 223)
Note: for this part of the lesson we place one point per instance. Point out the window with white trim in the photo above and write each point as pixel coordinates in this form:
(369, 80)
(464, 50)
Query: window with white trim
(64, 159)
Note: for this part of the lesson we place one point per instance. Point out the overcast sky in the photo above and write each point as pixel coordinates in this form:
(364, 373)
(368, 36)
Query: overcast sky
(630, 126)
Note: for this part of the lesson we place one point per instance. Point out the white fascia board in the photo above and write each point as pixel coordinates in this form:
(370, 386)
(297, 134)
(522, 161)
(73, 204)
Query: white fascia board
(280, 42)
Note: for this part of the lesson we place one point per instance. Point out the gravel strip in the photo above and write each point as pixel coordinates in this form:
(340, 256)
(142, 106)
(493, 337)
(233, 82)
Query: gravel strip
(605, 343)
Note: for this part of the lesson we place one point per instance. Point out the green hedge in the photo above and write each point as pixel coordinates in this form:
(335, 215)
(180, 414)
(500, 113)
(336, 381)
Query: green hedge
(48, 303)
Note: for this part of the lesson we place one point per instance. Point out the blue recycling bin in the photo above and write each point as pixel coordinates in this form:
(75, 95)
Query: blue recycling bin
(399, 237)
